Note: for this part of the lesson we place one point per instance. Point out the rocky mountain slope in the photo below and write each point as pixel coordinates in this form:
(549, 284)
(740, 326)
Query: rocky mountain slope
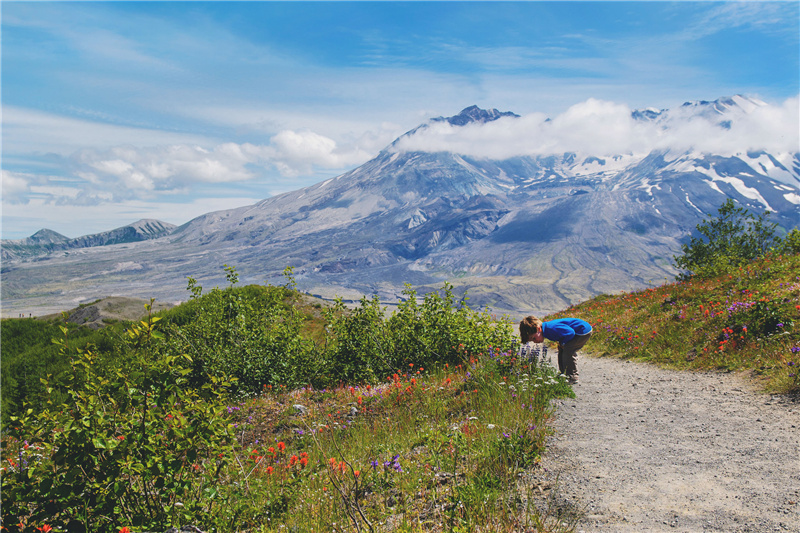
(520, 234)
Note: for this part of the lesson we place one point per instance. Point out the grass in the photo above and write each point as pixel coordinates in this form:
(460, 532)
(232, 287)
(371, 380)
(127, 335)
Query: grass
(425, 451)
(441, 450)
(745, 321)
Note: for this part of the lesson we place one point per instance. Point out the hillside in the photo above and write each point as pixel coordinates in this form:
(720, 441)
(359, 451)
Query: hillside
(748, 321)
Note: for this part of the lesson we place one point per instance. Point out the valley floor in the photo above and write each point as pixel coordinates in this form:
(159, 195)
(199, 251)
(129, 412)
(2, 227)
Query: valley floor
(642, 449)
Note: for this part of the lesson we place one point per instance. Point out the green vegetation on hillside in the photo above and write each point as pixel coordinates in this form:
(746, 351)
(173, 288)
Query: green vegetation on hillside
(222, 413)
(30, 355)
(743, 320)
(731, 239)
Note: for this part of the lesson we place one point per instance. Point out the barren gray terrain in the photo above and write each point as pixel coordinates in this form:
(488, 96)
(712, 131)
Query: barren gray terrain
(642, 449)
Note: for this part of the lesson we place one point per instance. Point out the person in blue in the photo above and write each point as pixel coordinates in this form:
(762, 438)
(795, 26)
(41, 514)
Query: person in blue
(570, 334)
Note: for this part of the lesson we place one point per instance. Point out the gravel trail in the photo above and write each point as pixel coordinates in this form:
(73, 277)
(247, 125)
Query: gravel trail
(643, 449)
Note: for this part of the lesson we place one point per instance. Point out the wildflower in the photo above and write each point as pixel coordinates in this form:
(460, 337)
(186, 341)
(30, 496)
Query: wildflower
(281, 446)
(303, 462)
(125, 529)
(270, 470)
(45, 528)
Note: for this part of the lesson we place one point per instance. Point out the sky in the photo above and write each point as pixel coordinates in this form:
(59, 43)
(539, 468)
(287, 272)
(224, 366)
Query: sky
(117, 111)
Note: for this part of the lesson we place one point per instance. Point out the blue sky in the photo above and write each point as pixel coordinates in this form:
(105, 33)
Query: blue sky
(116, 111)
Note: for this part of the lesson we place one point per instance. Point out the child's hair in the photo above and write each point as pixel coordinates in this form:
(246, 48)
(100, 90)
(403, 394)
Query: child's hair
(528, 326)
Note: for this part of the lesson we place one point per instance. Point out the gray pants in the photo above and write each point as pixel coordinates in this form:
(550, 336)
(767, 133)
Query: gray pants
(568, 355)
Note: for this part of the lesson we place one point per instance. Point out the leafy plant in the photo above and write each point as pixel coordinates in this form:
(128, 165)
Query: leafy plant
(733, 238)
(251, 334)
(133, 447)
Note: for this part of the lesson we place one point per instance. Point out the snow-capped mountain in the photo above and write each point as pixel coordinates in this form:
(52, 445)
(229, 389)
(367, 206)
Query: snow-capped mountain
(529, 233)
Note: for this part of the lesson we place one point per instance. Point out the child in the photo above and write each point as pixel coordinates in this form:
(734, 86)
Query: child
(570, 333)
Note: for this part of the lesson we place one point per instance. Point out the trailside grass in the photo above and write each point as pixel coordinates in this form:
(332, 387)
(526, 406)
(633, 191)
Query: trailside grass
(744, 321)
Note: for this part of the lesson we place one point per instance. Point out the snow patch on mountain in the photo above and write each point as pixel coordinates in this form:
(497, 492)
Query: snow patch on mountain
(792, 197)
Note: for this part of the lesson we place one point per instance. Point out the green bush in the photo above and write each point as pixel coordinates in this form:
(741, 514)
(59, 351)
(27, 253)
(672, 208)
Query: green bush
(733, 238)
(250, 334)
(366, 346)
(132, 447)
(790, 244)
(29, 355)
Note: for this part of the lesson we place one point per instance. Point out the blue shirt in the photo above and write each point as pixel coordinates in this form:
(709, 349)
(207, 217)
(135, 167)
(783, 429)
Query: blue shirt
(564, 329)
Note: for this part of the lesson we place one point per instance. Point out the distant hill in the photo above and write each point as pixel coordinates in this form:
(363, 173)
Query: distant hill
(96, 315)
(523, 234)
(46, 241)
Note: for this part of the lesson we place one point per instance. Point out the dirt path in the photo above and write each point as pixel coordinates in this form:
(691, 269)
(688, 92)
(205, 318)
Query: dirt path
(643, 449)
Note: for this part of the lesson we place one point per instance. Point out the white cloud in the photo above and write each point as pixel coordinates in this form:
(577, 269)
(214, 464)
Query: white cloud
(602, 128)
(16, 185)
(139, 171)
(128, 172)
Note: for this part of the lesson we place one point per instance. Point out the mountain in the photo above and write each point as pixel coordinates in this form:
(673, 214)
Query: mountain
(526, 234)
(47, 241)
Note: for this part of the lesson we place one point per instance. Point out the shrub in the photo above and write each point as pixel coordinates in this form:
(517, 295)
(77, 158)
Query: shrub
(135, 446)
(366, 346)
(251, 334)
(733, 238)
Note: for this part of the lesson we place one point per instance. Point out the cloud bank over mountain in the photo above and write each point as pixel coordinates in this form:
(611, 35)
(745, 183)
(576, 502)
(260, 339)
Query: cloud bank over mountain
(596, 127)
(604, 128)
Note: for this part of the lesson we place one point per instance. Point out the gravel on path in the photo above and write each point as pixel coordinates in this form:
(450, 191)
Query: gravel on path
(643, 449)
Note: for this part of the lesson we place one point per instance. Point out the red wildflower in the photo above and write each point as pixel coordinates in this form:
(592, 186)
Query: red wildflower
(125, 529)
(281, 446)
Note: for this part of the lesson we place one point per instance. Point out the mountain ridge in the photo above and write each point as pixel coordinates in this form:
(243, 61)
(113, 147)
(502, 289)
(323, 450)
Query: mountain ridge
(47, 241)
(527, 232)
